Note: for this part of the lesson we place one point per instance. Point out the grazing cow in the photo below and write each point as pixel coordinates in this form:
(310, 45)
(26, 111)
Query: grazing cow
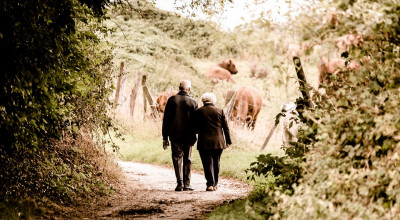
(222, 71)
(247, 106)
(331, 18)
(294, 50)
(333, 66)
(163, 98)
(328, 66)
(297, 50)
(289, 120)
(344, 42)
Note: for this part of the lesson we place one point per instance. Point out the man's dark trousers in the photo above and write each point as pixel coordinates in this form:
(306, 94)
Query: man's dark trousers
(210, 160)
(182, 153)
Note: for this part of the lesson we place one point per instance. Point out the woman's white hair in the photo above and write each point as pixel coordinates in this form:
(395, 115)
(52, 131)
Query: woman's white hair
(209, 97)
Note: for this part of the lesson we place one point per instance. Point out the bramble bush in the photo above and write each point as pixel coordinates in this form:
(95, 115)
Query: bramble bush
(55, 82)
(353, 135)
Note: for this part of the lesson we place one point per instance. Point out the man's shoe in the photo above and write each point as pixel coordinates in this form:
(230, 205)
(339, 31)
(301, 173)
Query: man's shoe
(210, 188)
(179, 188)
(188, 188)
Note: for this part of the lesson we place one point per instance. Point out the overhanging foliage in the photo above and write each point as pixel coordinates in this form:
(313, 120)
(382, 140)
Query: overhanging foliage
(54, 81)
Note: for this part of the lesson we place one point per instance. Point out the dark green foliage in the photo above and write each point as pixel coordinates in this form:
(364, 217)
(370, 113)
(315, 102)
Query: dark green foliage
(44, 58)
(284, 169)
(54, 74)
(284, 173)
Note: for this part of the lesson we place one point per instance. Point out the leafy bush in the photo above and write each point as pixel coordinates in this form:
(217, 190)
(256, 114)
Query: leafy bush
(54, 81)
(351, 169)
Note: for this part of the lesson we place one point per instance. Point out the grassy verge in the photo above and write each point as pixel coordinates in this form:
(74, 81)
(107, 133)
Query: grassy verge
(142, 142)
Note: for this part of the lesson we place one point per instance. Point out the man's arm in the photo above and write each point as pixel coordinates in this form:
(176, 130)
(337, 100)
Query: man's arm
(165, 124)
(166, 120)
(165, 144)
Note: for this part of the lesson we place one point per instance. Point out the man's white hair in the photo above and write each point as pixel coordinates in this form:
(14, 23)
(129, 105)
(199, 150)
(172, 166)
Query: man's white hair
(209, 97)
(185, 85)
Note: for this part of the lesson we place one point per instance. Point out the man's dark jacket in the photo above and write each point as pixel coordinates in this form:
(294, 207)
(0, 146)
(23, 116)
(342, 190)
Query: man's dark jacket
(178, 122)
(212, 127)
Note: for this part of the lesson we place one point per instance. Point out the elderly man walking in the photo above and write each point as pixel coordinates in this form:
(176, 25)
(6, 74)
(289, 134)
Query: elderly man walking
(178, 126)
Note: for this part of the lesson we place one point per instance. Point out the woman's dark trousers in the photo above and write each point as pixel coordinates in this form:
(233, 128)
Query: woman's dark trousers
(210, 160)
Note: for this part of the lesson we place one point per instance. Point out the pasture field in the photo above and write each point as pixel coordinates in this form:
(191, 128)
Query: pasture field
(170, 49)
(165, 61)
(142, 135)
(167, 58)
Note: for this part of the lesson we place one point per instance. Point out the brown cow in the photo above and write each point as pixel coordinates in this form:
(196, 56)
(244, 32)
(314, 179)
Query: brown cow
(297, 50)
(331, 18)
(222, 71)
(328, 66)
(294, 50)
(163, 98)
(345, 42)
(333, 66)
(247, 106)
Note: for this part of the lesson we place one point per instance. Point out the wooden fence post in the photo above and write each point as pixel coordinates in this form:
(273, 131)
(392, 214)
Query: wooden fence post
(144, 78)
(148, 98)
(229, 103)
(269, 136)
(302, 81)
(134, 92)
(229, 95)
(303, 89)
(121, 79)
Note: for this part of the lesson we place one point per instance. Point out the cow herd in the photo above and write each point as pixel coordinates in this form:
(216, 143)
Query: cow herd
(248, 100)
(247, 103)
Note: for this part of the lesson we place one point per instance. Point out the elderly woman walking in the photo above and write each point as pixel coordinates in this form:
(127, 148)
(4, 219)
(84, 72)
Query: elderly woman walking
(213, 137)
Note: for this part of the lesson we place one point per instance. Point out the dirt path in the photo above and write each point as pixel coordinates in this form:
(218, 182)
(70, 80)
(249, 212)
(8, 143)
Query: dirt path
(147, 192)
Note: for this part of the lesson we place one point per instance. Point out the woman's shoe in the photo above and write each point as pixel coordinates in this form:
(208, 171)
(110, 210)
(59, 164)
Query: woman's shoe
(188, 188)
(179, 188)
